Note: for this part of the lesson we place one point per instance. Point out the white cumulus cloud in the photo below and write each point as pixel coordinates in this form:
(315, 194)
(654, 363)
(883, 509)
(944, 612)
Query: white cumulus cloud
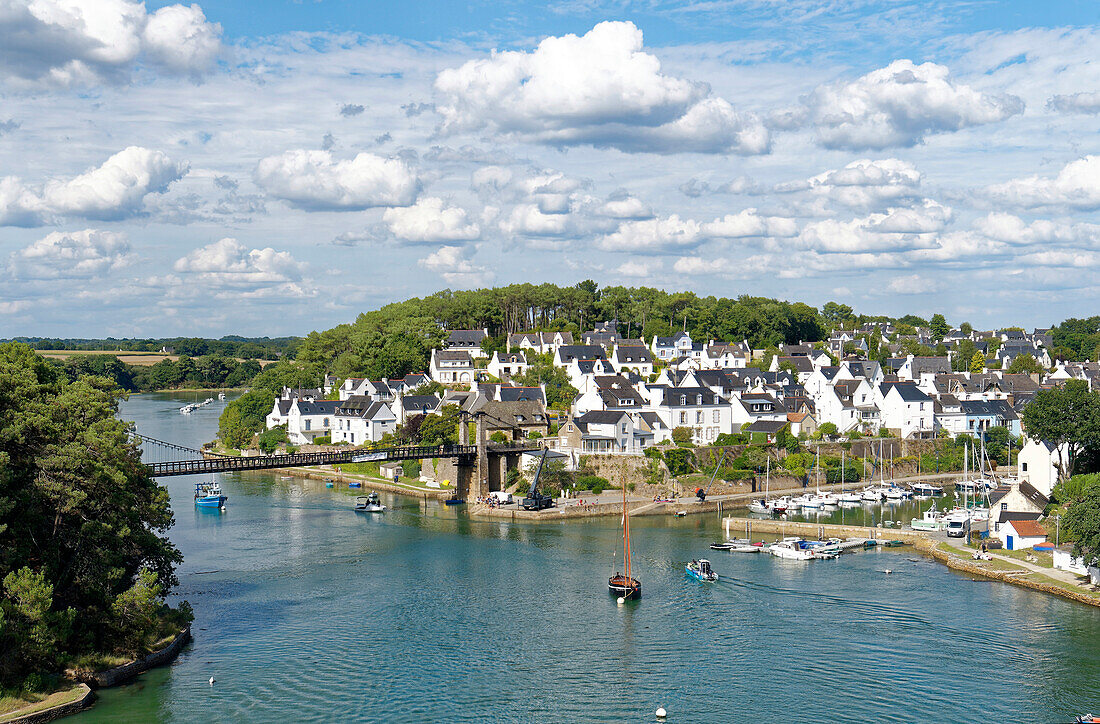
(66, 42)
(601, 89)
(863, 184)
(315, 181)
(748, 223)
(114, 190)
(1076, 186)
(454, 266)
(228, 262)
(654, 235)
(529, 220)
(428, 220)
(72, 255)
(900, 105)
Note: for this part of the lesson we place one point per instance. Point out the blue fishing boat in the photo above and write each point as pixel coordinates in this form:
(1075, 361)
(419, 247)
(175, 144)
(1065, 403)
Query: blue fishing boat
(209, 495)
(355, 485)
(700, 570)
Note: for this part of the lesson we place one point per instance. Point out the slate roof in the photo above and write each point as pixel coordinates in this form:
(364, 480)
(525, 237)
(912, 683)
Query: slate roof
(908, 391)
(466, 337)
(569, 352)
(988, 408)
(521, 394)
(419, 403)
(600, 417)
(769, 426)
(321, 407)
(454, 355)
(691, 394)
(632, 355)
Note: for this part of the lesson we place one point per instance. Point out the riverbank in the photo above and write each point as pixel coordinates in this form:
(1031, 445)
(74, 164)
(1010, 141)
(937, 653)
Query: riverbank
(1000, 568)
(326, 473)
(67, 701)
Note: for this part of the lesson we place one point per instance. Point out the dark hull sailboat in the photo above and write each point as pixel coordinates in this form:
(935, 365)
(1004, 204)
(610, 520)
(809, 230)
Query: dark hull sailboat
(626, 586)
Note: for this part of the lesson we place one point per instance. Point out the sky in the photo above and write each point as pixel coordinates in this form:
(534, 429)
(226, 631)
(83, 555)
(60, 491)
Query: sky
(273, 168)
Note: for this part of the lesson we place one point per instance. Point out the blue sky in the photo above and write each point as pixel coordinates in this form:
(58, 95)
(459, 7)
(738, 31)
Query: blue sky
(278, 167)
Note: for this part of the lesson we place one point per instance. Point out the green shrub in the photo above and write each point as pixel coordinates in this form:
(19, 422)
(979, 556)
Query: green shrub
(592, 482)
(322, 440)
(271, 439)
(680, 461)
(498, 436)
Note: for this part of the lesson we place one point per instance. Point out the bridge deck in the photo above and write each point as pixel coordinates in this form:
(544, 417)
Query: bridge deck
(465, 453)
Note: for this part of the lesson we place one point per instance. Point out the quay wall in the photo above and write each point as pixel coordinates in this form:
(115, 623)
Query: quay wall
(119, 674)
(83, 701)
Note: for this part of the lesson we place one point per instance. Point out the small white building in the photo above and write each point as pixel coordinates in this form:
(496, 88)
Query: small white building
(1037, 464)
(637, 359)
(906, 408)
(1020, 534)
(452, 367)
(505, 365)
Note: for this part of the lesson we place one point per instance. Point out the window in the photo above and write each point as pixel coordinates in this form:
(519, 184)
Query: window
(698, 418)
(307, 423)
(683, 399)
(1004, 506)
(623, 428)
(698, 399)
(1023, 467)
(326, 422)
(683, 418)
(717, 417)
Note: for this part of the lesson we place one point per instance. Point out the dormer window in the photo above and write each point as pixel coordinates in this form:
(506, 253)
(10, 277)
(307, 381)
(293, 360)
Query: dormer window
(698, 399)
(683, 399)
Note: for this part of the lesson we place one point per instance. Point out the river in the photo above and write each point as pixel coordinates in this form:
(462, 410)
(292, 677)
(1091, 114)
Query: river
(307, 611)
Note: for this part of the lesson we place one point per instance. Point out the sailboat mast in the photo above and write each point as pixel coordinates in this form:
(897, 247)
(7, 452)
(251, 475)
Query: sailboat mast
(626, 534)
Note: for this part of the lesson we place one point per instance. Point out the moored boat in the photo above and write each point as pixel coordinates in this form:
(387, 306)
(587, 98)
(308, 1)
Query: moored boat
(623, 585)
(700, 570)
(790, 549)
(209, 495)
(369, 504)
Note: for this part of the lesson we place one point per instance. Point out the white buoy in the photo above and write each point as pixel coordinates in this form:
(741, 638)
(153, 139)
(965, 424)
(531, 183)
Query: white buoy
(887, 571)
(622, 600)
(661, 713)
(211, 680)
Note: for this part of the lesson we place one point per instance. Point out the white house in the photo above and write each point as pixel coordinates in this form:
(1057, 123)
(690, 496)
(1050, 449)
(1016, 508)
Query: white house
(1037, 464)
(279, 413)
(905, 408)
(569, 353)
(406, 406)
(603, 431)
(359, 420)
(669, 348)
(1020, 534)
(505, 365)
(638, 359)
(467, 340)
(580, 369)
(306, 420)
(452, 367)
(541, 342)
(707, 413)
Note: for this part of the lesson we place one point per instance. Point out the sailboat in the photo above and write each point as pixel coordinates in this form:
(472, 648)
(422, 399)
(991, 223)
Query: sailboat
(767, 505)
(625, 586)
(844, 497)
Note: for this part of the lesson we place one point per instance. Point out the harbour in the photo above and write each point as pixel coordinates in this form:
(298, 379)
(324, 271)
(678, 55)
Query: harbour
(423, 613)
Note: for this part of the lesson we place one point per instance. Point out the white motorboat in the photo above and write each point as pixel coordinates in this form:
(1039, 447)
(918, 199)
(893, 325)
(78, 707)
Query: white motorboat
(789, 548)
(848, 498)
(791, 505)
(369, 504)
(931, 519)
(759, 506)
(811, 502)
(926, 489)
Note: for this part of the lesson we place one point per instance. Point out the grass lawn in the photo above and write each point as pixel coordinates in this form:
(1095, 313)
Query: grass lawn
(1087, 590)
(27, 703)
(1044, 559)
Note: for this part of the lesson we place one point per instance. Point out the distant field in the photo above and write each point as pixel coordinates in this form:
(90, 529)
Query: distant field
(140, 359)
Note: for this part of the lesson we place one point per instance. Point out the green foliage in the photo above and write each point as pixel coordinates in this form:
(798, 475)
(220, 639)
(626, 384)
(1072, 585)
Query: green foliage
(728, 438)
(939, 326)
(827, 428)
(1082, 523)
(1077, 339)
(1069, 491)
(80, 517)
(411, 468)
(498, 436)
(271, 439)
(541, 370)
(322, 440)
(680, 461)
(851, 474)
(441, 428)
(682, 435)
(592, 482)
(1024, 364)
(244, 417)
(1069, 415)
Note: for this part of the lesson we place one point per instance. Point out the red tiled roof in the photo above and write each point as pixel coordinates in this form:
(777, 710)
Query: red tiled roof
(1029, 529)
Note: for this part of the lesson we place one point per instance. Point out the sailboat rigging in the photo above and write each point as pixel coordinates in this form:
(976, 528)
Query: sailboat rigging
(625, 586)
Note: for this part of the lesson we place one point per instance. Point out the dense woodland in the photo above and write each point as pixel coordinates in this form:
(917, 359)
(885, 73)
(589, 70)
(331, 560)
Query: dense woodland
(85, 561)
(228, 346)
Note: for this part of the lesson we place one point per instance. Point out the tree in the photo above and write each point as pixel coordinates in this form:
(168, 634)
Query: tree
(939, 326)
(827, 429)
(680, 461)
(1068, 415)
(1024, 364)
(966, 329)
(1082, 523)
(80, 517)
(559, 391)
(977, 363)
(270, 439)
(835, 314)
(442, 428)
(244, 417)
(682, 435)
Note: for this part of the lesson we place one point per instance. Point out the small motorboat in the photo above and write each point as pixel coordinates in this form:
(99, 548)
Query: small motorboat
(700, 570)
(369, 504)
(790, 549)
(730, 544)
(221, 395)
(209, 495)
(1087, 719)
